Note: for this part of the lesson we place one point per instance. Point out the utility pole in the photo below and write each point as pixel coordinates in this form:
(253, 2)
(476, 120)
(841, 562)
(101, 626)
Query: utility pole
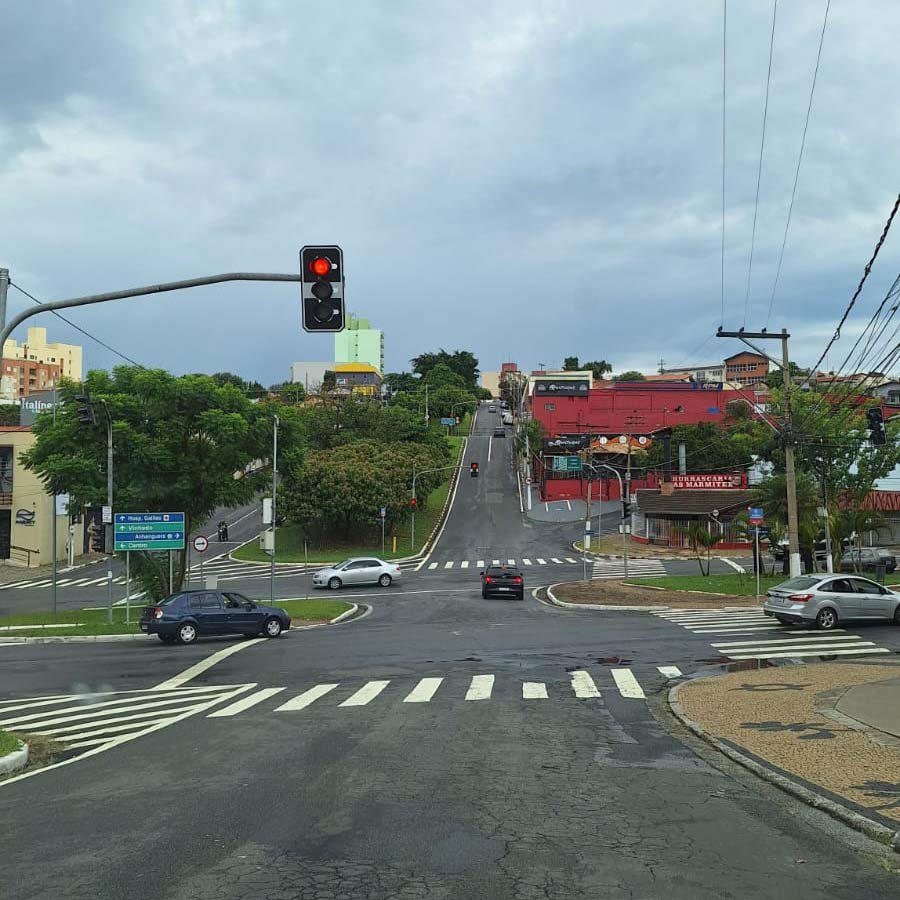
(109, 532)
(787, 432)
(4, 286)
(276, 423)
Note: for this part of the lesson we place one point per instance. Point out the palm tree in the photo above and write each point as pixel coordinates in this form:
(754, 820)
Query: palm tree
(771, 495)
(849, 521)
(700, 539)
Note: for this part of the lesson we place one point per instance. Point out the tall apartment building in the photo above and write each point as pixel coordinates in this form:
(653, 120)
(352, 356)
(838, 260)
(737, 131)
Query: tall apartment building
(360, 343)
(36, 365)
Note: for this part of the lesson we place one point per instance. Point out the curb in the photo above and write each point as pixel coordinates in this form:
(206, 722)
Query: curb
(875, 830)
(347, 614)
(14, 761)
(562, 603)
(578, 549)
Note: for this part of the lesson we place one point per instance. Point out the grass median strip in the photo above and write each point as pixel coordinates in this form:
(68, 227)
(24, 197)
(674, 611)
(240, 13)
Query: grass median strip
(8, 742)
(85, 622)
(737, 584)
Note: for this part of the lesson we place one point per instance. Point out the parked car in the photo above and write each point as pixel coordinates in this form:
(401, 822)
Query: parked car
(827, 600)
(189, 615)
(507, 418)
(502, 581)
(867, 559)
(358, 570)
(499, 431)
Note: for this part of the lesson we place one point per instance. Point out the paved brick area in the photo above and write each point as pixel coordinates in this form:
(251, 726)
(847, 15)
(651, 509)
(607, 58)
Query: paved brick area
(780, 715)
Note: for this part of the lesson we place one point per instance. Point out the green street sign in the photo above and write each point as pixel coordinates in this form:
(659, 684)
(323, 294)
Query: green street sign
(567, 463)
(149, 531)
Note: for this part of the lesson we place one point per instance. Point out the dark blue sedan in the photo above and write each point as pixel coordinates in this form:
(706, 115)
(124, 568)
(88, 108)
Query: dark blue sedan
(185, 616)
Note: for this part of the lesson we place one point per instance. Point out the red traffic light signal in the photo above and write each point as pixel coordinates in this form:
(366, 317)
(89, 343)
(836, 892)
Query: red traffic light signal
(413, 503)
(322, 269)
(473, 469)
(320, 266)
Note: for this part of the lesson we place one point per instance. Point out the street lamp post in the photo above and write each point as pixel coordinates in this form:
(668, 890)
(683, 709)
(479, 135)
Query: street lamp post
(622, 525)
(275, 425)
(417, 474)
(110, 541)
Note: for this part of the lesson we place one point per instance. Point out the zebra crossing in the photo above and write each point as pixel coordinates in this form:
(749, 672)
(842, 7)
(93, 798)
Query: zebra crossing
(753, 635)
(83, 722)
(523, 563)
(614, 567)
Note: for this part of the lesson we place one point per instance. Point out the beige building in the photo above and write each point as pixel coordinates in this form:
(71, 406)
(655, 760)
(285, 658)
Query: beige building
(35, 364)
(26, 509)
(490, 381)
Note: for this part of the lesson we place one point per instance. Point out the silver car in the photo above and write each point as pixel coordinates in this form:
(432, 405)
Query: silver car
(358, 570)
(826, 600)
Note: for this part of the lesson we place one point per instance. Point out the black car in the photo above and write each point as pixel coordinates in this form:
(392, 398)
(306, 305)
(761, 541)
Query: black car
(499, 431)
(868, 559)
(502, 581)
(185, 616)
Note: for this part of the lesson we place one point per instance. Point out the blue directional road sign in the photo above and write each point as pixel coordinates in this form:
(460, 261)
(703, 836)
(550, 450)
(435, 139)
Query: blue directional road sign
(149, 531)
(448, 420)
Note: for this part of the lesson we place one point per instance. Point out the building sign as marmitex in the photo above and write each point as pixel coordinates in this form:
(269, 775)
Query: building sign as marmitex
(716, 480)
(565, 442)
(552, 388)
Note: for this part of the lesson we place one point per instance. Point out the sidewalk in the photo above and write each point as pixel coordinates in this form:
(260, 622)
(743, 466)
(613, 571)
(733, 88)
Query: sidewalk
(831, 728)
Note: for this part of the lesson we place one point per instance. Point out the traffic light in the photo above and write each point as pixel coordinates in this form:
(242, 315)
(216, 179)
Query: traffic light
(413, 503)
(98, 540)
(473, 469)
(86, 414)
(626, 509)
(875, 419)
(322, 269)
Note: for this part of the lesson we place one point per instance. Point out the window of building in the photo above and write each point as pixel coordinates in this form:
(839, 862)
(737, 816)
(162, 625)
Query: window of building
(550, 407)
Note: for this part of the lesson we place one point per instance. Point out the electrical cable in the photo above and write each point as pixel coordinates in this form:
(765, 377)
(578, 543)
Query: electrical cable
(762, 146)
(724, 46)
(97, 340)
(787, 225)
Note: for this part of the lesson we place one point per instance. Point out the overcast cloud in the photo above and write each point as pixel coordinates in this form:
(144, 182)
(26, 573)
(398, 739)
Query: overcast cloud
(526, 180)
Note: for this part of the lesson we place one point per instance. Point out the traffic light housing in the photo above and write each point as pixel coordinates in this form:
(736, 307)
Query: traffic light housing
(875, 420)
(413, 503)
(322, 295)
(473, 469)
(98, 541)
(85, 409)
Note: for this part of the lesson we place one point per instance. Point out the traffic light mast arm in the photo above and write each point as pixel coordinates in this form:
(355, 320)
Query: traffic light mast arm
(162, 288)
(427, 472)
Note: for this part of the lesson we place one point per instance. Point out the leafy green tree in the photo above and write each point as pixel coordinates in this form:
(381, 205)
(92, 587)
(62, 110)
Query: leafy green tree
(630, 375)
(442, 376)
(775, 378)
(701, 540)
(771, 495)
(401, 381)
(9, 413)
(599, 368)
(250, 387)
(709, 447)
(570, 364)
(289, 392)
(181, 444)
(462, 362)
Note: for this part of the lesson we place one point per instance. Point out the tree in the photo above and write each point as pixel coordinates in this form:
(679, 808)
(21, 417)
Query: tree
(250, 387)
(709, 447)
(289, 392)
(775, 378)
(442, 376)
(630, 375)
(570, 364)
(701, 540)
(598, 367)
(181, 444)
(9, 413)
(462, 362)
(401, 381)
(771, 495)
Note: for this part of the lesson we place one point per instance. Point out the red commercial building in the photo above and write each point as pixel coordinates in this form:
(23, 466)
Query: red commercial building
(612, 417)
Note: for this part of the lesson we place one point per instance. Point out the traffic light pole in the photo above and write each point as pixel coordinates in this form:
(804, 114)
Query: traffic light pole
(110, 541)
(787, 432)
(415, 476)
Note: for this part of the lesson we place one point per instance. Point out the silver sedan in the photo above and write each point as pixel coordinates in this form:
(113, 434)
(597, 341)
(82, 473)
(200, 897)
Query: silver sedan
(357, 570)
(826, 600)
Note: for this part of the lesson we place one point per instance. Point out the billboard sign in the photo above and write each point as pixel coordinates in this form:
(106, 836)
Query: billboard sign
(551, 388)
(713, 481)
(566, 442)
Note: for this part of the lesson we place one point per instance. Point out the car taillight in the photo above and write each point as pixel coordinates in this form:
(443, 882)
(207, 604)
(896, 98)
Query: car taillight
(517, 580)
(488, 579)
(157, 612)
(801, 598)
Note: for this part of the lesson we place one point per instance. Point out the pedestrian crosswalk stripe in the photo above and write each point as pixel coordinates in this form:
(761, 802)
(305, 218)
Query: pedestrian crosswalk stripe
(496, 562)
(432, 565)
(480, 687)
(464, 564)
(448, 565)
(794, 639)
(669, 671)
(511, 562)
(480, 564)
(423, 691)
(570, 560)
(534, 690)
(819, 651)
(627, 684)
(583, 685)
(366, 693)
(554, 559)
(526, 562)
(542, 562)
(245, 702)
(301, 701)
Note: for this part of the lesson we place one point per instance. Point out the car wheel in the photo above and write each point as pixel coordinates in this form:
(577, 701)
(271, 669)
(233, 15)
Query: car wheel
(187, 633)
(272, 628)
(826, 619)
(521, 596)
(385, 580)
(334, 583)
(166, 638)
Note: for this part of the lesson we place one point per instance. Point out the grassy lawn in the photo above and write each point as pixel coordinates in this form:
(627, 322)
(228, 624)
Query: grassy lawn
(289, 538)
(741, 585)
(93, 621)
(8, 743)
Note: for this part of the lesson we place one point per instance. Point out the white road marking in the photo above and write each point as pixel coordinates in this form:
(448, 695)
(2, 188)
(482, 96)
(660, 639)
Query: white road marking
(570, 560)
(423, 691)
(669, 671)
(554, 559)
(366, 693)
(204, 664)
(480, 564)
(583, 685)
(301, 701)
(798, 639)
(547, 507)
(480, 687)
(464, 564)
(490, 444)
(245, 703)
(526, 562)
(534, 690)
(733, 564)
(432, 565)
(819, 651)
(495, 562)
(627, 684)
(510, 562)
(542, 562)
(569, 505)
(448, 564)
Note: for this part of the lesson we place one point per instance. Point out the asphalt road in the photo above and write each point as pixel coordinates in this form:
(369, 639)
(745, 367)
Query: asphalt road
(441, 746)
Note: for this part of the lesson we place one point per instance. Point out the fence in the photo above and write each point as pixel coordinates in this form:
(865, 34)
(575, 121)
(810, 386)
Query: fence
(673, 532)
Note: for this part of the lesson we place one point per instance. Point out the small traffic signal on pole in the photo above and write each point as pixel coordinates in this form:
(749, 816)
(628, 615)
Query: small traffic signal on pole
(322, 269)
(413, 503)
(86, 414)
(473, 469)
(875, 420)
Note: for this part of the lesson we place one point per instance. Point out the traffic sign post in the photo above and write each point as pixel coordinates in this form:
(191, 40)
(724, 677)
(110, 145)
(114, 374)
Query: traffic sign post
(755, 515)
(201, 545)
(382, 514)
(149, 531)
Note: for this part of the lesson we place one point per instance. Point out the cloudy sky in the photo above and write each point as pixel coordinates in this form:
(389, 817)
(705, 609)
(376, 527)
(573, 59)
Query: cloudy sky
(527, 180)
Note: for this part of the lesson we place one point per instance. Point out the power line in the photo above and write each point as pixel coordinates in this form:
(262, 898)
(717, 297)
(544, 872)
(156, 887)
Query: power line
(69, 322)
(862, 281)
(762, 146)
(724, 38)
(787, 224)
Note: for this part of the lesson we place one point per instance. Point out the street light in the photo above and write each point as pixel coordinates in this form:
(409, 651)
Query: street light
(414, 502)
